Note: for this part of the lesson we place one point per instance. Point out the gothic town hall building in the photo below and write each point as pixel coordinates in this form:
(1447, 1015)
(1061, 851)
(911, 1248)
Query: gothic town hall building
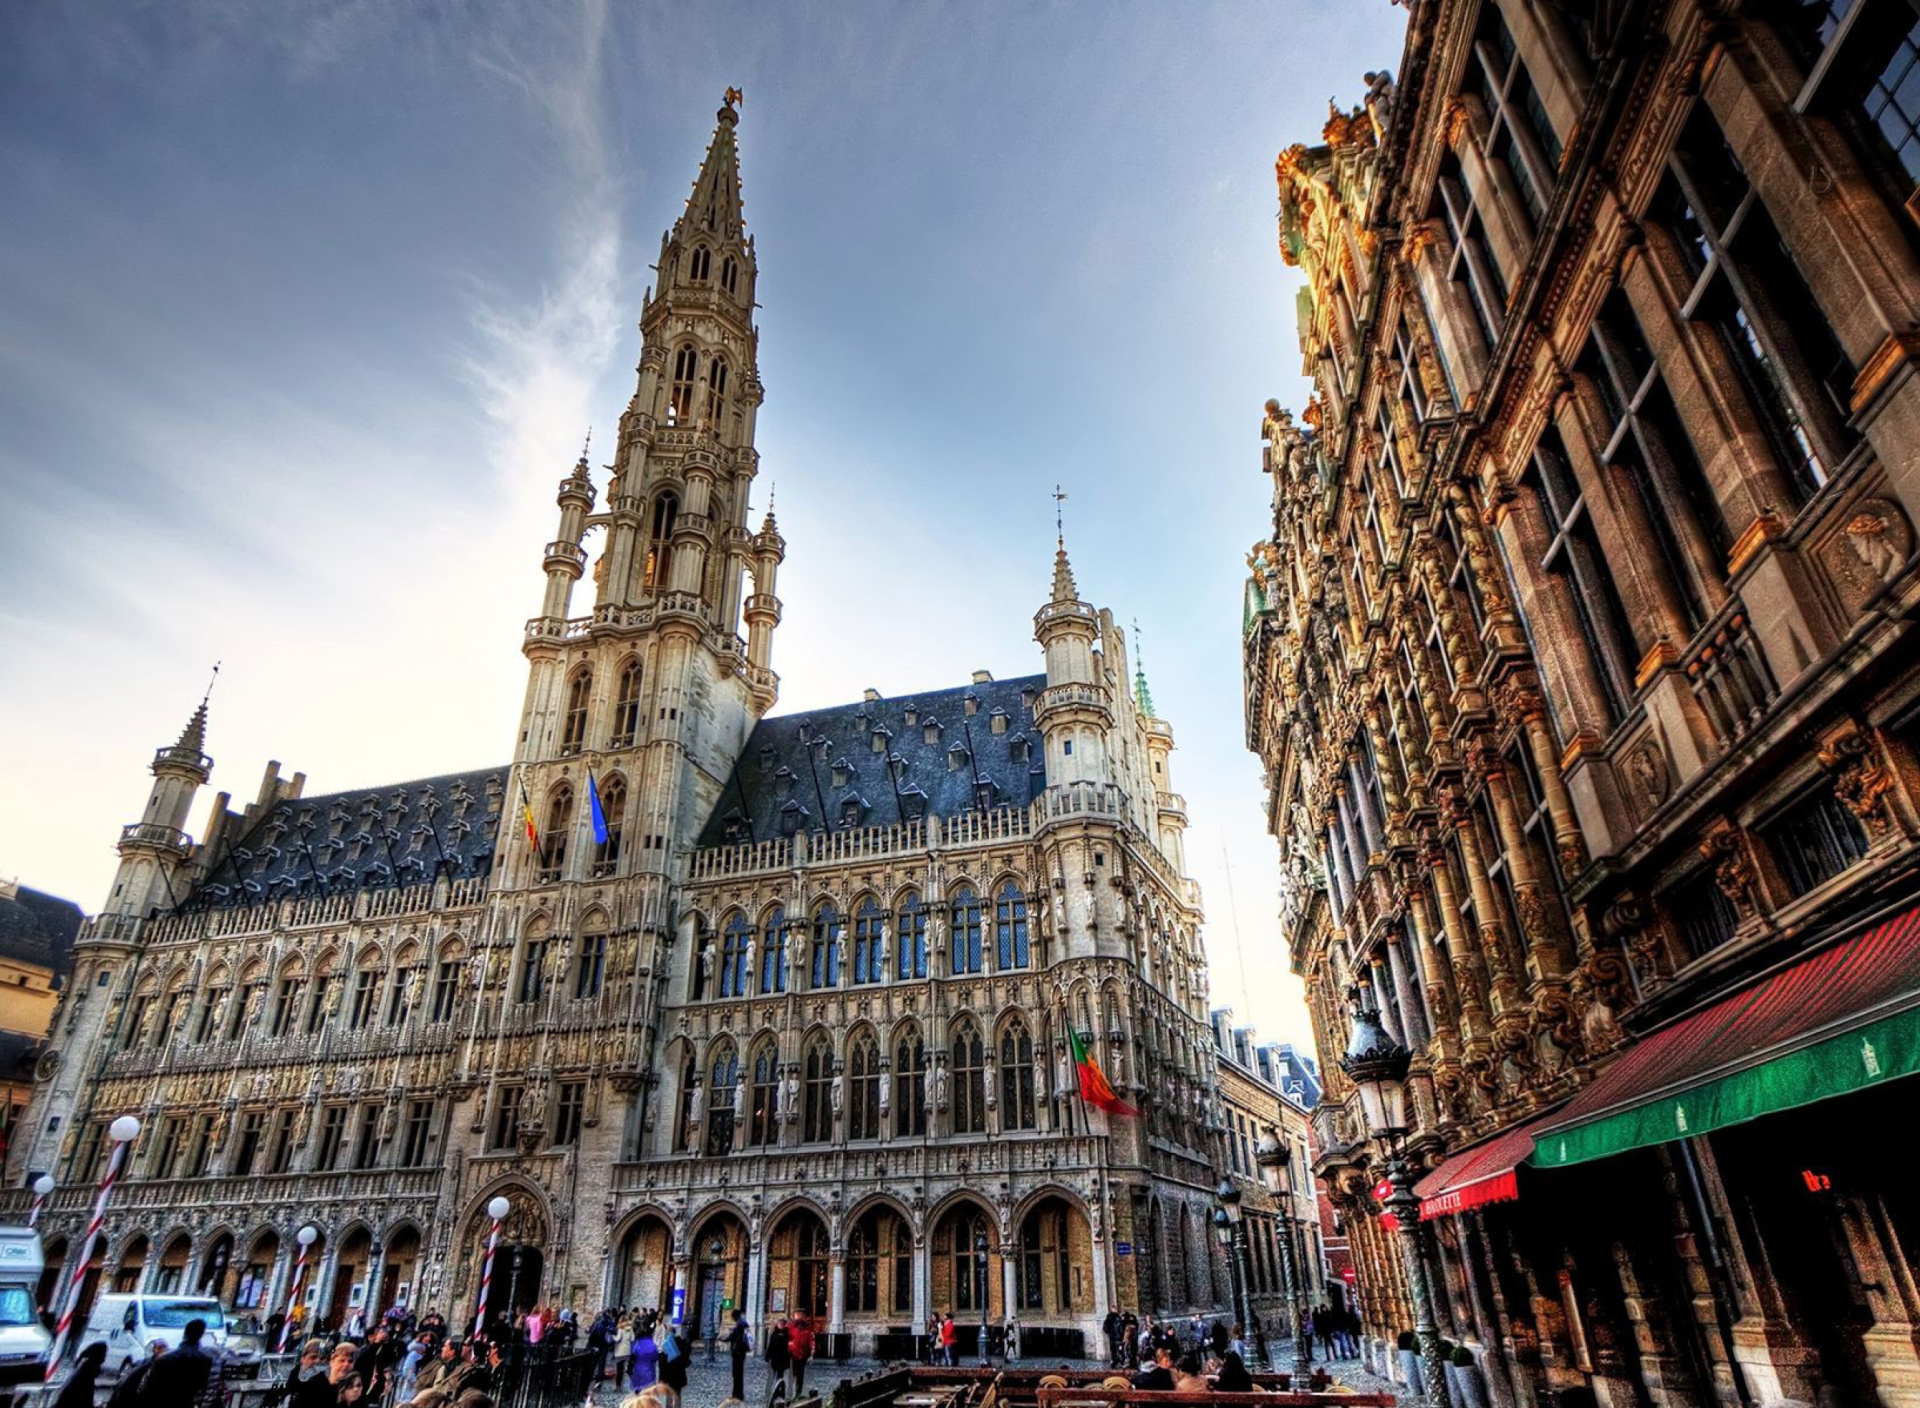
(793, 1036)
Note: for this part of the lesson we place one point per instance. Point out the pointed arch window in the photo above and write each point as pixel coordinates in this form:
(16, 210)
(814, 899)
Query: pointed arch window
(590, 968)
(910, 1084)
(573, 734)
(1016, 1077)
(863, 1088)
(683, 1121)
(816, 1125)
(963, 1227)
(626, 706)
(558, 833)
(686, 370)
(763, 1123)
(716, 391)
(733, 957)
(773, 952)
(863, 1265)
(666, 513)
(868, 926)
(969, 1080)
(533, 961)
(966, 931)
(829, 933)
(724, 1074)
(1010, 915)
(613, 807)
(700, 266)
(730, 274)
(910, 939)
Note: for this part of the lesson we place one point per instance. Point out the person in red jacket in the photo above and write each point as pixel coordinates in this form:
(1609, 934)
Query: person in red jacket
(800, 1346)
(949, 1338)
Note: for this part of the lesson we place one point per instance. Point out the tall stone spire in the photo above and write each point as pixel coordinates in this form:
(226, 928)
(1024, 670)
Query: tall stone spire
(714, 205)
(1064, 589)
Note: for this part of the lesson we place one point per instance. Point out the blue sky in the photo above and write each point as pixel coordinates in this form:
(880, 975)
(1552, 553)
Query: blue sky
(305, 309)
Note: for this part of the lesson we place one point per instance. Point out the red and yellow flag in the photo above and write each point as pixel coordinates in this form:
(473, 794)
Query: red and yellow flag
(1094, 1087)
(526, 810)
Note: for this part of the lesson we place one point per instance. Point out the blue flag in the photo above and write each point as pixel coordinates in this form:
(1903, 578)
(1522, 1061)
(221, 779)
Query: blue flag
(599, 815)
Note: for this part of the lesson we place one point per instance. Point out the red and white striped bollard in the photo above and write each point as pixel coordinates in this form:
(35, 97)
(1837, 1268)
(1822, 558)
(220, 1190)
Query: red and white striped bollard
(305, 1237)
(122, 1132)
(497, 1210)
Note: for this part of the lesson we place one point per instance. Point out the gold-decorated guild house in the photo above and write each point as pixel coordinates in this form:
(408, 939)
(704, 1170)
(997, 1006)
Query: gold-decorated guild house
(1580, 654)
(771, 1012)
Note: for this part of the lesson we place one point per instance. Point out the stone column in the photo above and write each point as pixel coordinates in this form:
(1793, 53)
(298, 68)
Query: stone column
(837, 1291)
(755, 1293)
(922, 1282)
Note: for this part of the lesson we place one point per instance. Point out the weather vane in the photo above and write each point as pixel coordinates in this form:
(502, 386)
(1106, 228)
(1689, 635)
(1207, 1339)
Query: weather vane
(215, 679)
(588, 445)
(734, 97)
(1059, 513)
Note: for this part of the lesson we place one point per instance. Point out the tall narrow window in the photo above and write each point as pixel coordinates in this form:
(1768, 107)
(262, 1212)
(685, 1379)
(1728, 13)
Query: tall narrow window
(321, 1007)
(863, 1266)
(1017, 1105)
(558, 835)
(589, 970)
(1010, 924)
(366, 998)
(210, 1012)
(700, 266)
(969, 1080)
(910, 1084)
(613, 810)
(1646, 441)
(626, 706)
(1575, 560)
(764, 1115)
(1519, 132)
(734, 940)
(686, 365)
(829, 931)
(446, 989)
(506, 1116)
(570, 1101)
(730, 274)
(247, 1149)
(910, 939)
(716, 392)
(533, 963)
(868, 926)
(773, 952)
(1472, 267)
(573, 735)
(863, 1093)
(419, 1130)
(966, 931)
(816, 1126)
(333, 1124)
(666, 512)
(723, 1075)
(401, 996)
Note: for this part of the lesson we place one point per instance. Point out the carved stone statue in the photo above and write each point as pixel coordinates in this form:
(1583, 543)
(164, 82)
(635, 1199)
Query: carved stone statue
(752, 982)
(837, 1093)
(931, 1085)
(697, 1104)
(987, 1083)
(886, 1094)
(740, 1099)
(706, 968)
(883, 943)
(1062, 1073)
(790, 1097)
(940, 1086)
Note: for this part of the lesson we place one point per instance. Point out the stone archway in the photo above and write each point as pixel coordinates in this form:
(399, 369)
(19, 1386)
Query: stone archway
(519, 1260)
(216, 1274)
(719, 1273)
(132, 1264)
(1053, 1267)
(52, 1277)
(797, 1265)
(880, 1260)
(170, 1276)
(958, 1281)
(399, 1271)
(644, 1271)
(349, 1278)
(254, 1281)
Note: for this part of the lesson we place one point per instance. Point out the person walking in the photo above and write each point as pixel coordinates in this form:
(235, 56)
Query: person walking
(739, 1343)
(623, 1347)
(180, 1376)
(646, 1358)
(1110, 1330)
(674, 1359)
(800, 1346)
(779, 1357)
(78, 1392)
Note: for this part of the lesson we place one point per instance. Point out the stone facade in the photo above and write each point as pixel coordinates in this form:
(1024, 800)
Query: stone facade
(1579, 653)
(790, 1034)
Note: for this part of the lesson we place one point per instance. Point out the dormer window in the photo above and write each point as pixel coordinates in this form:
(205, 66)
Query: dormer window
(766, 756)
(735, 828)
(897, 765)
(1018, 748)
(861, 720)
(983, 793)
(931, 733)
(912, 712)
(783, 780)
(852, 811)
(913, 802)
(1026, 699)
(998, 720)
(956, 758)
(881, 737)
(793, 816)
(972, 703)
(842, 774)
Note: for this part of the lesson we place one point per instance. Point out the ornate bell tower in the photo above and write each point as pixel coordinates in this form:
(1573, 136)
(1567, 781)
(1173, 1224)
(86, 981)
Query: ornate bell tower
(653, 693)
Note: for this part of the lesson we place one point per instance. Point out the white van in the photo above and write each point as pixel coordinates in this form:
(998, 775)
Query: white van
(131, 1323)
(24, 1341)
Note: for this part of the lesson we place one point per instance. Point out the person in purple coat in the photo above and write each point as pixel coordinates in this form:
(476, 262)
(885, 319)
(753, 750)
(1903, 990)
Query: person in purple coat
(646, 1358)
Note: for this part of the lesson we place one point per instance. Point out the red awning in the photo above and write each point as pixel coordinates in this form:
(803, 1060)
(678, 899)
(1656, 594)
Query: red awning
(1667, 1081)
(1476, 1176)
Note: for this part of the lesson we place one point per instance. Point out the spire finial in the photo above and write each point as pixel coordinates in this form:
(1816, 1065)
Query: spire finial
(733, 98)
(587, 445)
(212, 680)
(1142, 696)
(1059, 516)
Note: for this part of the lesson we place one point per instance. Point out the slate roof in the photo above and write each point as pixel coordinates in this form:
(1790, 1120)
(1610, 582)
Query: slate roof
(369, 838)
(39, 928)
(820, 771)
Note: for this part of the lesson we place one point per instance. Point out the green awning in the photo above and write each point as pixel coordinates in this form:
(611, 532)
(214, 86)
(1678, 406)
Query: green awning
(1838, 1021)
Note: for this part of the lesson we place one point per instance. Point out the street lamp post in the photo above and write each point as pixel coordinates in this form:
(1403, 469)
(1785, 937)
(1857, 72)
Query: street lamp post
(1274, 1156)
(497, 1209)
(1228, 1194)
(1377, 1065)
(305, 1237)
(42, 1190)
(122, 1132)
(980, 1269)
